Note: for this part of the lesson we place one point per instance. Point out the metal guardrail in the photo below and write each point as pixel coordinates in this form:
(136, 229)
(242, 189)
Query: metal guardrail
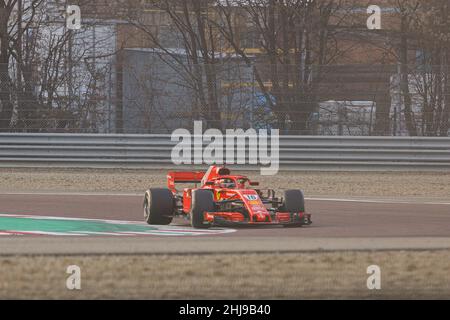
(154, 151)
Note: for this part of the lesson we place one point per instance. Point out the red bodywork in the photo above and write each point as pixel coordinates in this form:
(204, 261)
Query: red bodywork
(236, 199)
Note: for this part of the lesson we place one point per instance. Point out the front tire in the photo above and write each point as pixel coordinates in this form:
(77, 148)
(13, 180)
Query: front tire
(159, 206)
(202, 201)
(294, 201)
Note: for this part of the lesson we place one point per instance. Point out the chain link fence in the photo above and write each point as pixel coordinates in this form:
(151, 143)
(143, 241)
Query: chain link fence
(149, 67)
(146, 93)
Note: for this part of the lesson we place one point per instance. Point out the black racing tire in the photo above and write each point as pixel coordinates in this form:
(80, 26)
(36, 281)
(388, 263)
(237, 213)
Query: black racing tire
(159, 206)
(202, 201)
(294, 201)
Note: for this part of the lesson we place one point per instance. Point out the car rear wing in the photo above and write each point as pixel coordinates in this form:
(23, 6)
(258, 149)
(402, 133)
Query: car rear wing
(183, 177)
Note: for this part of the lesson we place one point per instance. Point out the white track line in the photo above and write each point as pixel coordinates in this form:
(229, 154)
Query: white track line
(386, 201)
(41, 233)
(93, 194)
(87, 194)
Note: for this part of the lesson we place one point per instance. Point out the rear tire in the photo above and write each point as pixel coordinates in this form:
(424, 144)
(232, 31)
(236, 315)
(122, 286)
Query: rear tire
(159, 205)
(202, 201)
(294, 201)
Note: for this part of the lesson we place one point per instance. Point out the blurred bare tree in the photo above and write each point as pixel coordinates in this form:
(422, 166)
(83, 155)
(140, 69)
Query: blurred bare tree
(46, 81)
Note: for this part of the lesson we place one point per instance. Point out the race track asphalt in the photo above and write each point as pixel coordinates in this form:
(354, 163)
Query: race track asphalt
(338, 225)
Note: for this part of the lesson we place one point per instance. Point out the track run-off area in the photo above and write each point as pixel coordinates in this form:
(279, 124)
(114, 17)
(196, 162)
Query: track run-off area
(91, 223)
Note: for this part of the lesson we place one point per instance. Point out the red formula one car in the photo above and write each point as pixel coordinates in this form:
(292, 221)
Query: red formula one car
(223, 199)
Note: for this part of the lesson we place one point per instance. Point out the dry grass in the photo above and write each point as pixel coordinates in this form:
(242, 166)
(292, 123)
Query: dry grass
(336, 275)
(381, 184)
